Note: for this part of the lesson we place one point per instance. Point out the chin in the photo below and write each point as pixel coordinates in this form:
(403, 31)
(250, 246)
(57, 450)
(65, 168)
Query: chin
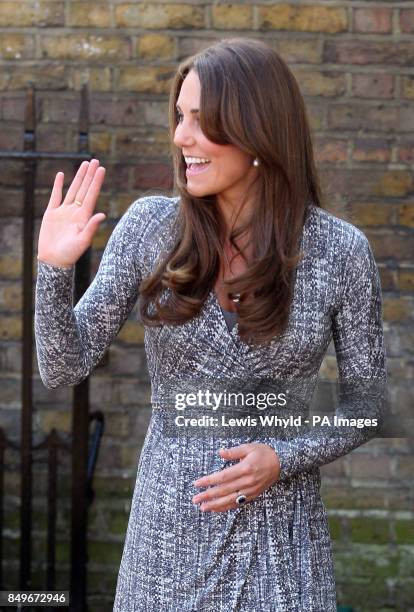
(198, 192)
(206, 189)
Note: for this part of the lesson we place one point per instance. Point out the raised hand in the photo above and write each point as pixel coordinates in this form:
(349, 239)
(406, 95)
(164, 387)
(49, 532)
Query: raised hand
(68, 227)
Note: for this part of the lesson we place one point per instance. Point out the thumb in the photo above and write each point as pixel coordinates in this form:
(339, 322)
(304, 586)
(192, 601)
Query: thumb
(91, 227)
(235, 452)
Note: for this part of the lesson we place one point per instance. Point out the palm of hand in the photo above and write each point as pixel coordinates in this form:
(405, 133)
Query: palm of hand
(67, 228)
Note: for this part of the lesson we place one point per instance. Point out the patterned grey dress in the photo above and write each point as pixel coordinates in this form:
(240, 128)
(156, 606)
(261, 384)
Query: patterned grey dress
(274, 553)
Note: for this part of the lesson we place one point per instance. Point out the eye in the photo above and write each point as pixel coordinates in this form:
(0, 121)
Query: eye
(180, 117)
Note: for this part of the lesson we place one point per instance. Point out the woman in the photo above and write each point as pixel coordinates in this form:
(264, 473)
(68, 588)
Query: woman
(243, 276)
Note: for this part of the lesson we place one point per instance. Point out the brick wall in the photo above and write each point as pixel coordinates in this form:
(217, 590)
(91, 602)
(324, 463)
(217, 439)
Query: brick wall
(353, 61)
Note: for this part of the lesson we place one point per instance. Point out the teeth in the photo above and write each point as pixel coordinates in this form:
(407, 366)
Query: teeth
(196, 160)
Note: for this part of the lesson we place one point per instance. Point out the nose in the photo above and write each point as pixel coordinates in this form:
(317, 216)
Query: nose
(183, 135)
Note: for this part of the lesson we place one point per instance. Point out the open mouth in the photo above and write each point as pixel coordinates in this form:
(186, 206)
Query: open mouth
(198, 164)
(197, 168)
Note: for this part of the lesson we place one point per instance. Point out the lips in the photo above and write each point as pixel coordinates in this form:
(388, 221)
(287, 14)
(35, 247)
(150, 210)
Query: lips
(193, 165)
(194, 169)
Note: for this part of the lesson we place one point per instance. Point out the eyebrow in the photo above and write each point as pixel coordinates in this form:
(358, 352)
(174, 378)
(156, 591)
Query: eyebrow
(193, 110)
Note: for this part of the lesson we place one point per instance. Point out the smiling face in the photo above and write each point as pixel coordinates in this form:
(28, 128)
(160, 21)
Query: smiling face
(230, 170)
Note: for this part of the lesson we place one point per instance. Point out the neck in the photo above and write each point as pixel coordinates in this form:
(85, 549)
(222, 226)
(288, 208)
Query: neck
(233, 213)
(236, 206)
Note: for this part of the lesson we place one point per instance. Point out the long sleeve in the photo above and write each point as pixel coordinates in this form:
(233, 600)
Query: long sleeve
(70, 341)
(359, 345)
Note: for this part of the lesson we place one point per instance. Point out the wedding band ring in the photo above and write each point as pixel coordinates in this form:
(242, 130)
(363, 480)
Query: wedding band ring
(78, 203)
(241, 499)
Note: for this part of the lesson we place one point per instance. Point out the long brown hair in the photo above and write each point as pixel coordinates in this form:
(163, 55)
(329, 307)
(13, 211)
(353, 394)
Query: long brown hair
(249, 98)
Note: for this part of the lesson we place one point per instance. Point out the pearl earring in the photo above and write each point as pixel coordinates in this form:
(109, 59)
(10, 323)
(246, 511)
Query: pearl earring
(256, 162)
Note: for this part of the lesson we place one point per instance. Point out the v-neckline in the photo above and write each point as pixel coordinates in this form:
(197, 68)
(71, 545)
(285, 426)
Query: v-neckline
(220, 308)
(212, 301)
(233, 333)
(232, 312)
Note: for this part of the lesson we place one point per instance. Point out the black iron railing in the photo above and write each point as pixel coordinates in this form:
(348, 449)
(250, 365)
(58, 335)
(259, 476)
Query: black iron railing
(83, 454)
